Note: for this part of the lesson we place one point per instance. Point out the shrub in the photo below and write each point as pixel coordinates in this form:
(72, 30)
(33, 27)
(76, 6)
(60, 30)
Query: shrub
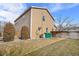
(24, 32)
(9, 32)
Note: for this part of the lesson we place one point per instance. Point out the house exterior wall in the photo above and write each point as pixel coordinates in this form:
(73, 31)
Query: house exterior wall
(33, 19)
(37, 22)
(23, 21)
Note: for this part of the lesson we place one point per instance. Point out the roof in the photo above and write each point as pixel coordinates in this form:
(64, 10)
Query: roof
(32, 8)
(72, 28)
(56, 32)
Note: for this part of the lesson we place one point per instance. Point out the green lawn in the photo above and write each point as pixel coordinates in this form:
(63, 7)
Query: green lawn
(68, 47)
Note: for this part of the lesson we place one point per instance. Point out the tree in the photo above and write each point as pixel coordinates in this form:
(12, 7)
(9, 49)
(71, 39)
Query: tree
(9, 32)
(64, 23)
(24, 33)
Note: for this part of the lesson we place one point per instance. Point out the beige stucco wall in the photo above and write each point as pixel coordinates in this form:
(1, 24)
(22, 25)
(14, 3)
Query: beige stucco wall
(37, 21)
(23, 21)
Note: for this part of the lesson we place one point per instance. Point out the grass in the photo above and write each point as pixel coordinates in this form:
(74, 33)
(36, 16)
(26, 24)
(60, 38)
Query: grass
(40, 48)
(23, 47)
(68, 47)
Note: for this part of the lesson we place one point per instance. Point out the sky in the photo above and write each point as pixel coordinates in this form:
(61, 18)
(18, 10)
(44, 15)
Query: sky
(9, 12)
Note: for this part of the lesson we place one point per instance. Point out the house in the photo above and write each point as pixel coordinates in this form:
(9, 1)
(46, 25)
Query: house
(37, 20)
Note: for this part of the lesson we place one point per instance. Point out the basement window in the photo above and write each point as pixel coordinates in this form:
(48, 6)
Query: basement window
(39, 28)
(46, 29)
(43, 18)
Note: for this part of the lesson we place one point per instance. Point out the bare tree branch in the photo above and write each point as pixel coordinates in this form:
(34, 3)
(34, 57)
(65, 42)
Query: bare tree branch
(64, 23)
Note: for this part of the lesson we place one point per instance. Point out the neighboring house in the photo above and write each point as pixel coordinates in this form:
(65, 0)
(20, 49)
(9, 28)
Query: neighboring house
(38, 21)
(2, 24)
(69, 32)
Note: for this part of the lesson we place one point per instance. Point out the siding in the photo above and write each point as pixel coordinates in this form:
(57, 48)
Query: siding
(23, 21)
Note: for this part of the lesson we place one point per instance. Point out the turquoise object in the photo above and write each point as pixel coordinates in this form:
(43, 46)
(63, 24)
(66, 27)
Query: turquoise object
(48, 35)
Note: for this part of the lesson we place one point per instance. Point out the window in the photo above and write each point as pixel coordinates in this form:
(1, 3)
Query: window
(39, 28)
(46, 29)
(43, 18)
